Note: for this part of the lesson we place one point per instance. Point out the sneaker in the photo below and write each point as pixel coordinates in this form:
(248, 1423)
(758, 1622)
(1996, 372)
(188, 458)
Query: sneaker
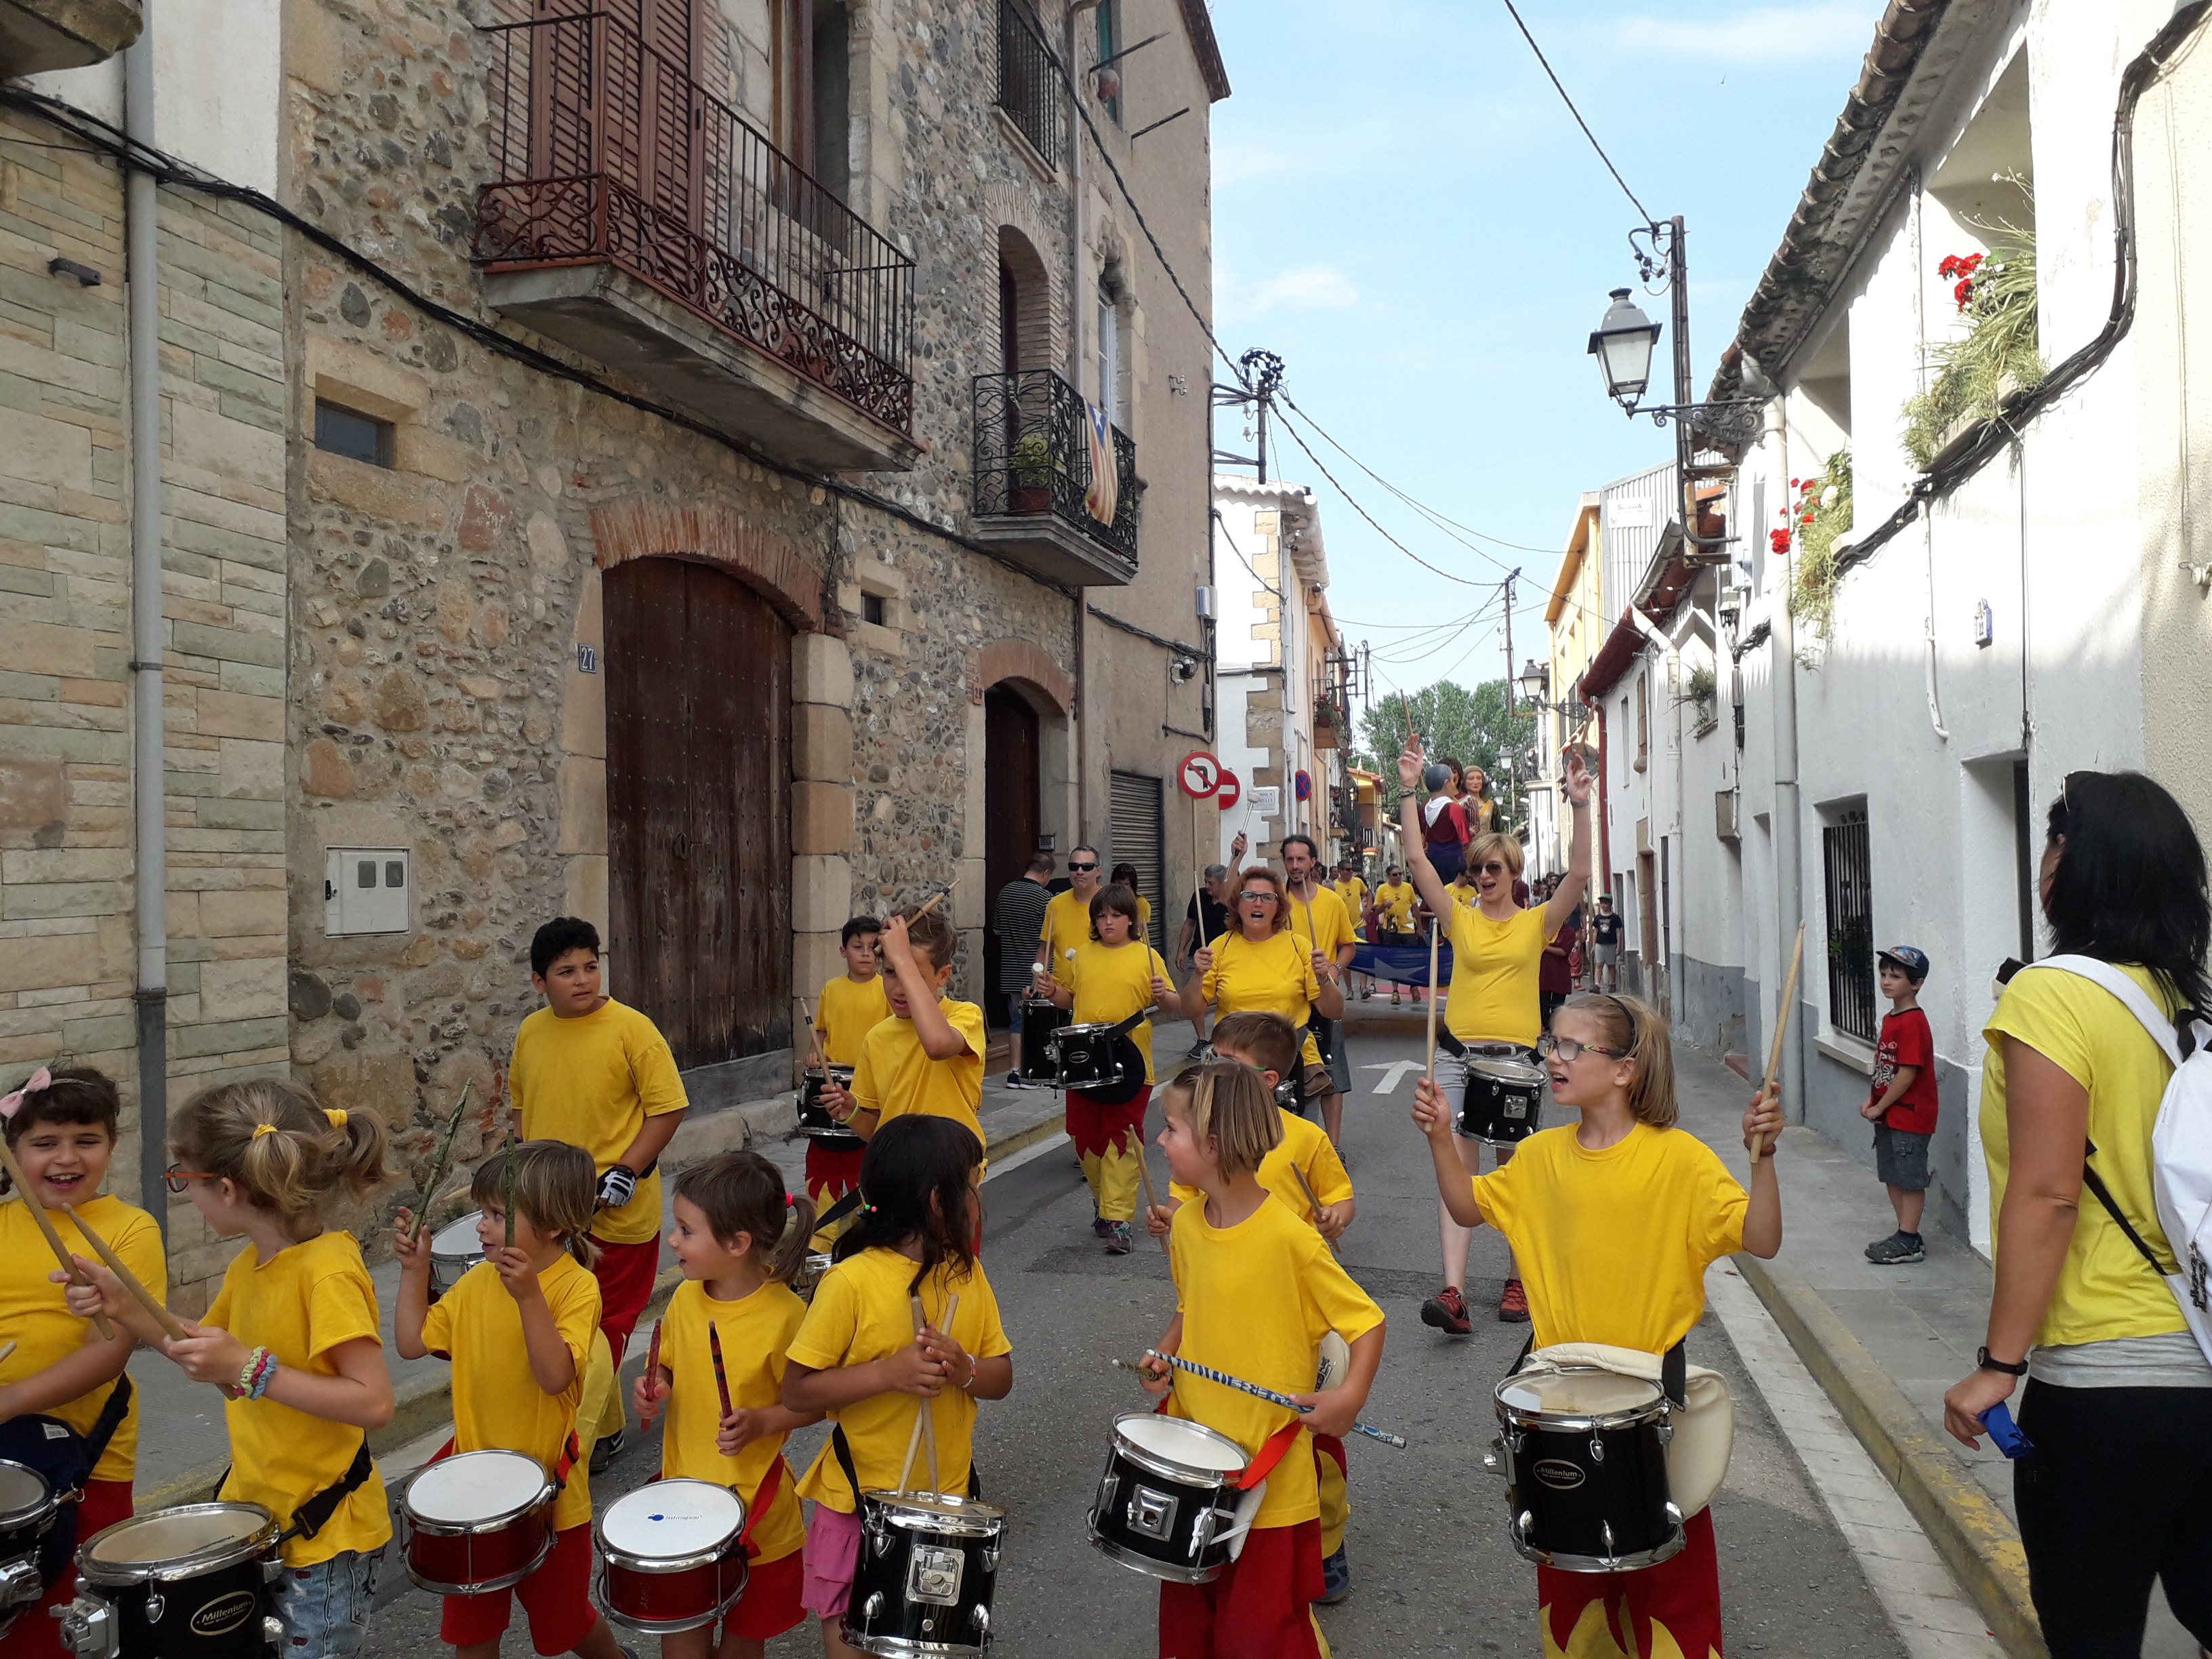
(1101, 1227)
(1119, 1242)
(1016, 1080)
(1898, 1251)
(1513, 1304)
(604, 1451)
(1195, 1052)
(1394, 998)
(1447, 1311)
(1335, 1578)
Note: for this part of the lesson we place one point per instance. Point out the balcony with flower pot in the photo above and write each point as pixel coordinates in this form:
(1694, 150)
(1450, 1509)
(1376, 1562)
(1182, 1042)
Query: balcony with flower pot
(1039, 500)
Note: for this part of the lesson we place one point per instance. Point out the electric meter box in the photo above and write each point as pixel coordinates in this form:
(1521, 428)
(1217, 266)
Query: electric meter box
(367, 890)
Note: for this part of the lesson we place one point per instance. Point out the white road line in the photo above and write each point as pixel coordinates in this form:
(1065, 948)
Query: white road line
(1015, 1160)
(1931, 1615)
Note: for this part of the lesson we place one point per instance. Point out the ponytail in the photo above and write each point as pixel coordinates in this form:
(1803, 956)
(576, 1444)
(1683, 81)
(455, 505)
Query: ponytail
(742, 1192)
(287, 1153)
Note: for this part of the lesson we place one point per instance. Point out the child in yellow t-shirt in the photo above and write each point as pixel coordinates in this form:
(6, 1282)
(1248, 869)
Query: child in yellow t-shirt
(859, 1358)
(1256, 1289)
(852, 1006)
(519, 1328)
(61, 1127)
(291, 1337)
(1614, 1219)
(927, 1058)
(1104, 982)
(741, 1242)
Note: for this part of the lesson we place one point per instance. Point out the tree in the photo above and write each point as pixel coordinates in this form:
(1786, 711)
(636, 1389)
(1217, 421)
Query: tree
(1469, 726)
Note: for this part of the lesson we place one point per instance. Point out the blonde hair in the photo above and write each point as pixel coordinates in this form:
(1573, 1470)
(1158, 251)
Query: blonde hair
(287, 1153)
(1637, 1029)
(1496, 841)
(557, 1190)
(1261, 872)
(1228, 1103)
(1269, 1041)
(743, 1193)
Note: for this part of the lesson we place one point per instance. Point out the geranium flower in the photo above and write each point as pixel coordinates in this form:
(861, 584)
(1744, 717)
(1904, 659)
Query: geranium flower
(1778, 540)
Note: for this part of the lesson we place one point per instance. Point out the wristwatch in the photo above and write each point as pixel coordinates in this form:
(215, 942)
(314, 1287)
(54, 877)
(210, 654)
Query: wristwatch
(1983, 1362)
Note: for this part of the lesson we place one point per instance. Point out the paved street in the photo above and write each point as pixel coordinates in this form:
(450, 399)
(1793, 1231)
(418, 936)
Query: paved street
(1433, 1573)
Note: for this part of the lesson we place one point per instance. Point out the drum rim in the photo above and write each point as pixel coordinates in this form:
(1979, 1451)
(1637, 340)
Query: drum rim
(707, 1556)
(899, 1509)
(47, 1501)
(1579, 1422)
(499, 1523)
(1493, 1067)
(1672, 1546)
(472, 1257)
(1180, 1473)
(1149, 1566)
(210, 1558)
(504, 1580)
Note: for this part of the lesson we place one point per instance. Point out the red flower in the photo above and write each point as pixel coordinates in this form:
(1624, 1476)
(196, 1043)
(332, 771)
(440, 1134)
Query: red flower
(1778, 540)
(1963, 294)
(1796, 482)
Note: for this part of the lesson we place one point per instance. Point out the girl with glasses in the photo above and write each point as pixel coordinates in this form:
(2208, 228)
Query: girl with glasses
(1260, 966)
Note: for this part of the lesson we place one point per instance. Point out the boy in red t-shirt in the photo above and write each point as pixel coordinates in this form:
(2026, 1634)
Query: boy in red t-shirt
(1902, 1104)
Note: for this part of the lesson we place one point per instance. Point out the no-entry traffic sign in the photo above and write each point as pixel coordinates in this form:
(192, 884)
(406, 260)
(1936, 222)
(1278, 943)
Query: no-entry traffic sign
(1200, 774)
(1228, 792)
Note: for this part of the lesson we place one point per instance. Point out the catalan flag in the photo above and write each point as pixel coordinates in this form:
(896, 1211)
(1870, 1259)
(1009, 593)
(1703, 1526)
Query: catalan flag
(1101, 500)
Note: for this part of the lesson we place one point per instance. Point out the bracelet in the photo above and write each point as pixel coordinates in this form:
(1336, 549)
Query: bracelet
(254, 1377)
(973, 1365)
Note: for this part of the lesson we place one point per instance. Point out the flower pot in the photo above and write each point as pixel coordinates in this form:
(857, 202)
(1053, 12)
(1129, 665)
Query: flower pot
(1026, 499)
(1324, 737)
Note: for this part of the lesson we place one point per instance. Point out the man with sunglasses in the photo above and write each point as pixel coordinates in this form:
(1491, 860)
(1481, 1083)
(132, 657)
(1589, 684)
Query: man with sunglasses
(1067, 918)
(1318, 917)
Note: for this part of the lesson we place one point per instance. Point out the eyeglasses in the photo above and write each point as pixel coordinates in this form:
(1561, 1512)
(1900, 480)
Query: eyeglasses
(1569, 1051)
(1073, 864)
(176, 1175)
(1257, 896)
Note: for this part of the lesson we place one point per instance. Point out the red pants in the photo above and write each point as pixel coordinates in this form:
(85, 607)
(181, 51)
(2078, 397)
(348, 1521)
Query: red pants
(36, 1634)
(1109, 1140)
(831, 1173)
(556, 1598)
(770, 1604)
(1622, 1615)
(625, 1272)
(1260, 1608)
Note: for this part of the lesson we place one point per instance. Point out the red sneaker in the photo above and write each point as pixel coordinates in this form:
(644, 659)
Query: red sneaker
(1447, 1311)
(1513, 1306)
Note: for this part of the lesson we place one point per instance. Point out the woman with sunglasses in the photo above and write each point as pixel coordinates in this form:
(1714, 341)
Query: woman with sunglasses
(1260, 966)
(1497, 951)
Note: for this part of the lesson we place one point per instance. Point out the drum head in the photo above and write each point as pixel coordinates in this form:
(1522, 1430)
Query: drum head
(457, 1240)
(1579, 1392)
(23, 1493)
(664, 1519)
(1172, 1440)
(471, 1487)
(171, 1535)
(1518, 1073)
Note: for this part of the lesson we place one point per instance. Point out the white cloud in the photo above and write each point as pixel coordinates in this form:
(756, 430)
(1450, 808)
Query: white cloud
(1309, 288)
(1765, 34)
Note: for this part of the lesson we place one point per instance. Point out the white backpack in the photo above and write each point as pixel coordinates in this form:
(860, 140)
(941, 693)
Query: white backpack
(2180, 1147)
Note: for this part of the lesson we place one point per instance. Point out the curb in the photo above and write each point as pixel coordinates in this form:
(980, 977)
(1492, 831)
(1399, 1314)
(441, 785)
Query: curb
(1976, 1539)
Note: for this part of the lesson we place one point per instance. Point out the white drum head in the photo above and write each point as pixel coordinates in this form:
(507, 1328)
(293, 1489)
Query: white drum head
(167, 1535)
(1591, 1393)
(21, 1490)
(475, 1487)
(457, 1241)
(1171, 1440)
(671, 1518)
(1517, 1071)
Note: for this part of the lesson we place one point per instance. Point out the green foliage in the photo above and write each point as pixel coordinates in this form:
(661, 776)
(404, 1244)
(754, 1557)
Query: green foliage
(1033, 461)
(1825, 513)
(1997, 354)
(1471, 726)
(1701, 685)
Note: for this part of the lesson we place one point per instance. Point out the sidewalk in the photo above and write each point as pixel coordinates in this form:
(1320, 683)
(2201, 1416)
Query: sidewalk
(183, 1448)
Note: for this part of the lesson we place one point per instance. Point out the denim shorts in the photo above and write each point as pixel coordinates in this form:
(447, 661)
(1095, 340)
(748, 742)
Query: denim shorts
(325, 1607)
(1901, 1158)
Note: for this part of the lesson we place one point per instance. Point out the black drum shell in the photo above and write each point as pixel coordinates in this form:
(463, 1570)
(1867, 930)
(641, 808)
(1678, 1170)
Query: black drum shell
(882, 1617)
(214, 1595)
(1568, 1496)
(1499, 1110)
(1113, 1531)
(814, 1120)
(1085, 1057)
(1040, 1017)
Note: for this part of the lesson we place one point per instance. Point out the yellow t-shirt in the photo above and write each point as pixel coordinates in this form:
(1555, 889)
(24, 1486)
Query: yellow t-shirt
(860, 1315)
(592, 1082)
(1353, 892)
(1324, 924)
(1304, 1147)
(1274, 976)
(1111, 983)
(1393, 902)
(497, 1404)
(756, 1333)
(1492, 998)
(1066, 925)
(33, 1312)
(1255, 1300)
(1613, 1245)
(2105, 1289)
(849, 1010)
(300, 1303)
(895, 1074)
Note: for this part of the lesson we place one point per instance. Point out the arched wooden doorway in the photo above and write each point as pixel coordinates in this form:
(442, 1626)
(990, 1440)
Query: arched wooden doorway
(698, 670)
(1013, 779)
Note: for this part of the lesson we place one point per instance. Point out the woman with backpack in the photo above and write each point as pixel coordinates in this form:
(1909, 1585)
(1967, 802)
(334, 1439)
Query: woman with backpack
(2117, 1489)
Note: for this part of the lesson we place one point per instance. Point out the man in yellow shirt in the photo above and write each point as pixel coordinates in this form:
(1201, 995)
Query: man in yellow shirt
(598, 1074)
(1067, 918)
(1394, 910)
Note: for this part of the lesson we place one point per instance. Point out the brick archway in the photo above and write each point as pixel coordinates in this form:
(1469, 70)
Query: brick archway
(1023, 660)
(767, 563)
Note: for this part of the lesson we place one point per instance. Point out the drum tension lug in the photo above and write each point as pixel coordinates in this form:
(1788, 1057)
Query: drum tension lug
(1597, 1449)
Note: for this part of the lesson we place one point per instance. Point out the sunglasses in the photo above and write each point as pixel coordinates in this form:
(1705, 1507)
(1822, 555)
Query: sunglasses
(1569, 1051)
(1073, 865)
(1492, 868)
(176, 1176)
(1257, 895)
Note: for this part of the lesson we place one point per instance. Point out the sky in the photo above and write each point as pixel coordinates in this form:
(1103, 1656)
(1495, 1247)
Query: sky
(1405, 211)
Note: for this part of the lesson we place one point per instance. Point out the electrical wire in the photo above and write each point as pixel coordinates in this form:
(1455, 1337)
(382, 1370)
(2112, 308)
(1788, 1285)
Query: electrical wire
(1578, 115)
(1349, 500)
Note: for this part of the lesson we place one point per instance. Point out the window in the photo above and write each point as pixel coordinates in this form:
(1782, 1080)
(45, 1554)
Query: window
(871, 608)
(1109, 42)
(1642, 722)
(1029, 80)
(1846, 859)
(357, 437)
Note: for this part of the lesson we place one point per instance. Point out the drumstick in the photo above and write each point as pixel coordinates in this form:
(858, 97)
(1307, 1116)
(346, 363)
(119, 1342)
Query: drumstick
(167, 1321)
(1253, 1389)
(1306, 1187)
(939, 900)
(929, 1405)
(444, 1156)
(721, 1377)
(1144, 1173)
(652, 1363)
(510, 1183)
(38, 1210)
(921, 1408)
(1433, 923)
(814, 1055)
(1781, 1030)
(6, 1348)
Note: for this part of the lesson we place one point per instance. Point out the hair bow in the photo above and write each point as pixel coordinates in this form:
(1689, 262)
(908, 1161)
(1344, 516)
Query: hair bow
(9, 1104)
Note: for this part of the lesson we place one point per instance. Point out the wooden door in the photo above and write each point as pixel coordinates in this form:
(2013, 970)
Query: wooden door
(699, 808)
(1012, 791)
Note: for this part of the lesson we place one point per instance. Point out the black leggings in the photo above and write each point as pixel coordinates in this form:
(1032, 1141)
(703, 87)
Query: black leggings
(2117, 1491)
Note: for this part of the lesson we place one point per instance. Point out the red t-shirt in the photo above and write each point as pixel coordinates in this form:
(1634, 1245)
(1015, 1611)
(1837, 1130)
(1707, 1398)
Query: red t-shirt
(1447, 828)
(1907, 1040)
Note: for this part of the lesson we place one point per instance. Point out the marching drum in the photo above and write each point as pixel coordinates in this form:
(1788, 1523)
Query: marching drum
(1084, 1057)
(1041, 1018)
(1504, 1098)
(454, 1249)
(190, 1583)
(1586, 1467)
(28, 1508)
(814, 1120)
(929, 1562)
(1168, 1503)
(672, 1556)
(475, 1522)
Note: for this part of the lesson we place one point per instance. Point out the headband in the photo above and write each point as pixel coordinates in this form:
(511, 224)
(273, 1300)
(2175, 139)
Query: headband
(10, 1104)
(1627, 1013)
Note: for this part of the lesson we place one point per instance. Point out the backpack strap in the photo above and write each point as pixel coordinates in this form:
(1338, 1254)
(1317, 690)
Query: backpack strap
(2095, 1183)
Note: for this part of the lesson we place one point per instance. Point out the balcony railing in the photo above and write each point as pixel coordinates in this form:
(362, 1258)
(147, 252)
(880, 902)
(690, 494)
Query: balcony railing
(1029, 80)
(605, 150)
(1033, 459)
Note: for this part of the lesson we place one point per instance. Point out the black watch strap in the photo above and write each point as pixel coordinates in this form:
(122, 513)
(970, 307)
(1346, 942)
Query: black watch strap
(1983, 1362)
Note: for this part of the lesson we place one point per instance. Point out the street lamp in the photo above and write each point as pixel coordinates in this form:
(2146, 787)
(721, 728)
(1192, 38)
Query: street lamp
(1535, 680)
(1623, 346)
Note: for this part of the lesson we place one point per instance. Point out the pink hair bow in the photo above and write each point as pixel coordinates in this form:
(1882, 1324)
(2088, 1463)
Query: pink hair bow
(9, 1104)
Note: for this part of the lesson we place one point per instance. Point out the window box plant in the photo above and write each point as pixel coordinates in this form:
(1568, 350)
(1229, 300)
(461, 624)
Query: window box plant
(1033, 467)
(1977, 373)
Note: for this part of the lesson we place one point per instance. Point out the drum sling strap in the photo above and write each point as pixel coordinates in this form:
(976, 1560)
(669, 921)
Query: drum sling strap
(764, 1498)
(844, 1448)
(1271, 1449)
(311, 1516)
(1673, 1370)
(838, 1212)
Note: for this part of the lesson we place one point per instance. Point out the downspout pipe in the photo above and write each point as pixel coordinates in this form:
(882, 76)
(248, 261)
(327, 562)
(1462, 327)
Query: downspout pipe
(1789, 823)
(149, 788)
(1653, 634)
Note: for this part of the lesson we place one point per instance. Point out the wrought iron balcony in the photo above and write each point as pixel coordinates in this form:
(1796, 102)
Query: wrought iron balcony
(1033, 495)
(635, 216)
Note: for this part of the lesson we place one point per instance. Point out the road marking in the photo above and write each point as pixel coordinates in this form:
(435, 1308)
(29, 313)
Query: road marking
(1394, 1072)
(1931, 1613)
(1015, 1160)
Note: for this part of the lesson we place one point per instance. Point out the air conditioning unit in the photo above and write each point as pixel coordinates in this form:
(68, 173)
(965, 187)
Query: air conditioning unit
(1726, 805)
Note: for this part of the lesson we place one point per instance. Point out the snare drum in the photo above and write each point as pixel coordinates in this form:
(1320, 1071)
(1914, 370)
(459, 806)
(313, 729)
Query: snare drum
(929, 1562)
(190, 1583)
(28, 1508)
(1503, 1103)
(1041, 1018)
(1167, 1503)
(1084, 1057)
(475, 1522)
(672, 1556)
(814, 1120)
(454, 1249)
(1586, 1463)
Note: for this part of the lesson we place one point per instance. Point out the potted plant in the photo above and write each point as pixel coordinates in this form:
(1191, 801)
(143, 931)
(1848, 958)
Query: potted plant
(1324, 724)
(1033, 470)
